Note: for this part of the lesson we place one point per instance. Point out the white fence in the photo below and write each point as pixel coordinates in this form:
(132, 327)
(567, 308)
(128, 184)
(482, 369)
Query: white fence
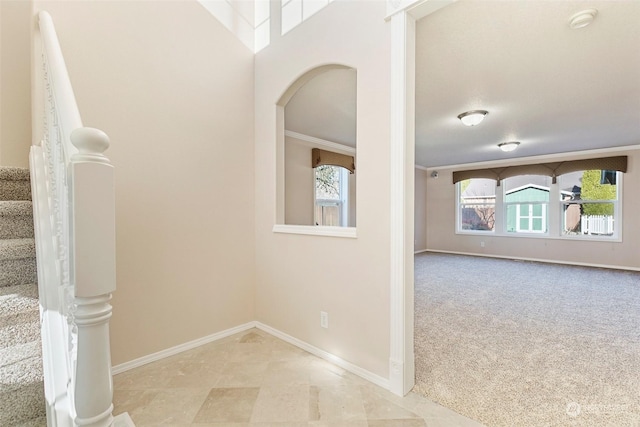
(596, 224)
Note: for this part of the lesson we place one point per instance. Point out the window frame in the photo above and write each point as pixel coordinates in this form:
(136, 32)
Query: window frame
(617, 215)
(554, 216)
(458, 217)
(545, 212)
(295, 12)
(342, 202)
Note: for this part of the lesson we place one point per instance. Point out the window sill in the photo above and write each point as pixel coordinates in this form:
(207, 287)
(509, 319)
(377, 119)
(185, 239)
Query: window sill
(584, 238)
(316, 230)
(591, 238)
(477, 232)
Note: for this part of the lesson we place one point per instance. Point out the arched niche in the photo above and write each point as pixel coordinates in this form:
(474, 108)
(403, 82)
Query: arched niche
(316, 151)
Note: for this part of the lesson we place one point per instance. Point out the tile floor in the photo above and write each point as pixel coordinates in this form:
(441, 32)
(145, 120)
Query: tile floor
(255, 379)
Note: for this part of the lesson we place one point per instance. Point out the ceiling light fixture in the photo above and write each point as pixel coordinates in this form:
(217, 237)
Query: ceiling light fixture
(472, 118)
(582, 18)
(508, 146)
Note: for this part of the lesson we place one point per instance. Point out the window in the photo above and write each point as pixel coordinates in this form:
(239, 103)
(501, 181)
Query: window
(476, 204)
(583, 204)
(526, 201)
(294, 12)
(331, 196)
(589, 202)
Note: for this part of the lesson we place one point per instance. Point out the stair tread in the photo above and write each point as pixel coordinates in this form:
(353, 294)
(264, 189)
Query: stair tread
(22, 400)
(15, 190)
(16, 207)
(22, 393)
(17, 248)
(9, 173)
(18, 298)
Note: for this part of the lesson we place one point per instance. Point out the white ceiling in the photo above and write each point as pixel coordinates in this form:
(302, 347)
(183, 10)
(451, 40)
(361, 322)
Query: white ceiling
(552, 88)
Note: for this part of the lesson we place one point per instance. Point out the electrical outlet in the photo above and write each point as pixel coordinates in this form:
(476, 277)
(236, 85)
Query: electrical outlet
(324, 319)
(482, 244)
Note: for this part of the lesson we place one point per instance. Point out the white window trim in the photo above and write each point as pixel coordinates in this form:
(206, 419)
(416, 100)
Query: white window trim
(342, 202)
(554, 220)
(344, 197)
(617, 217)
(460, 230)
(547, 218)
(304, 6)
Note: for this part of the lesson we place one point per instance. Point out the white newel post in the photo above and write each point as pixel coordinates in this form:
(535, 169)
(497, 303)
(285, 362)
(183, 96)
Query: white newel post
(92, 268)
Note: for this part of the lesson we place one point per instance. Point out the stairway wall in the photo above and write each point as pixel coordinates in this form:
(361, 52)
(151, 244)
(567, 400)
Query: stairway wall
(174, 91)
(15, 82)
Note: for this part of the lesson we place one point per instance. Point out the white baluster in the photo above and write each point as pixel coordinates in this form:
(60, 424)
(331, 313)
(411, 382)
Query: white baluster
(92, 271)
(94, 387)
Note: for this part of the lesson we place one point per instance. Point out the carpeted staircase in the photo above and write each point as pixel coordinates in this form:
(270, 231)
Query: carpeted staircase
(21, 381)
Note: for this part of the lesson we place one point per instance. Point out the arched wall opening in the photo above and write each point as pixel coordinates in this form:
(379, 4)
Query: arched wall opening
(316, 150)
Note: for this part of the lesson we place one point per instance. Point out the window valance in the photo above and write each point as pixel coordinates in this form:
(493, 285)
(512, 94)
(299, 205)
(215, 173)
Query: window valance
(323, 157)
(552, 169)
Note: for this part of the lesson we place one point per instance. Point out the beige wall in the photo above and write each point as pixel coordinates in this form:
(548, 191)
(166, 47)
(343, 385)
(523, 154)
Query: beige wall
(420, 208)
(298, 186)
(299, 275)
(15, 82)
(174, 91)
(441, 228)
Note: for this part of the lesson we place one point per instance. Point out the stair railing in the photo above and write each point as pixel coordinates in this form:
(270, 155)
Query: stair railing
(74, 215)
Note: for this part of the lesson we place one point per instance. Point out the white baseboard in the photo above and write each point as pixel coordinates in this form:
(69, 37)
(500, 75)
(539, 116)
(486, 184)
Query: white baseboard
(420, 251)
(354, 369)
(550, 261)
(135, 363)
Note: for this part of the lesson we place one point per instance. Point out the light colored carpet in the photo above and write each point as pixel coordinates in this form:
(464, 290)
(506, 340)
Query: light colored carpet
(16, 219)
(22, 400)
(512, 343)
(21, 387)
(14, 183)
(17, 262)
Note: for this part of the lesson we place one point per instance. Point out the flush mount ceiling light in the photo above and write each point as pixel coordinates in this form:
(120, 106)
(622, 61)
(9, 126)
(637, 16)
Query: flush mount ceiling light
(472, 118)
(582, 18)
(508, 146)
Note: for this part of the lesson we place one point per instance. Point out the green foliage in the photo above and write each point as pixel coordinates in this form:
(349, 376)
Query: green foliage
(593, 190)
